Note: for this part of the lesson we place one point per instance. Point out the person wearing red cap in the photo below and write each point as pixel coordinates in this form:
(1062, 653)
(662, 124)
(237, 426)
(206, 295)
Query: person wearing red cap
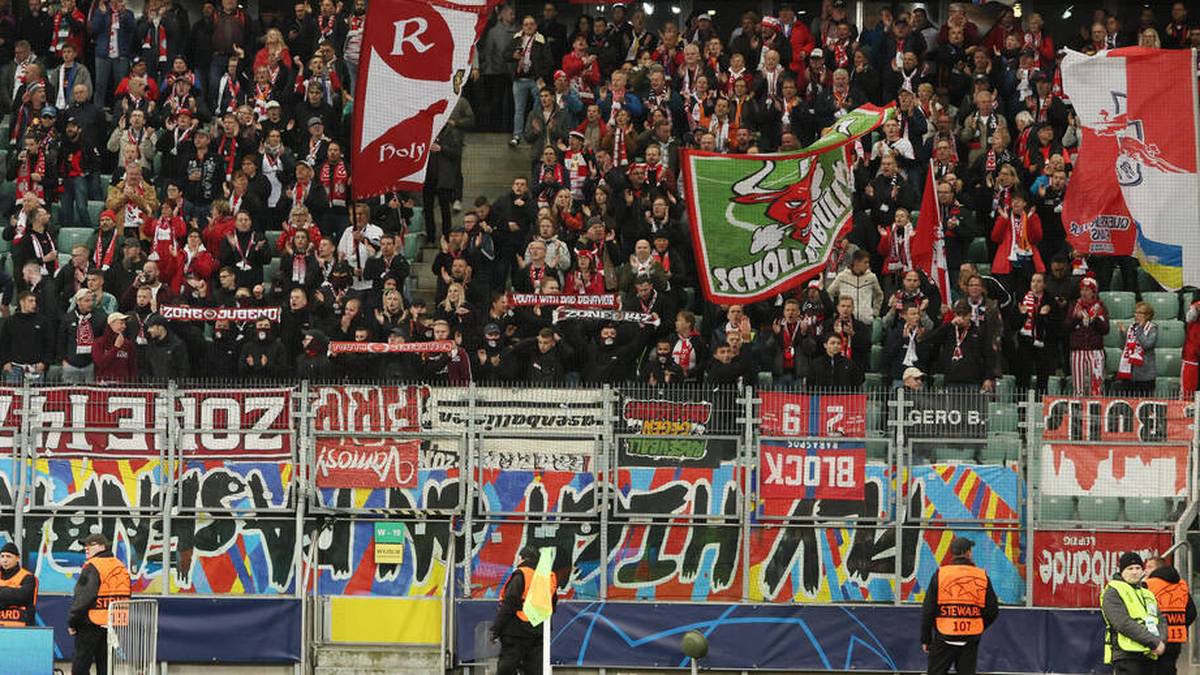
(1087, 324)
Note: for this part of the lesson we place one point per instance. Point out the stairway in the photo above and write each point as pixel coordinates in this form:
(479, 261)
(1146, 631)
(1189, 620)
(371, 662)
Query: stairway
(489, 167)
(371, 660)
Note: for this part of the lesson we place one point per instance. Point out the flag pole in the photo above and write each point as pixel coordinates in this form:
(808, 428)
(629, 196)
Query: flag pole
(546, 646)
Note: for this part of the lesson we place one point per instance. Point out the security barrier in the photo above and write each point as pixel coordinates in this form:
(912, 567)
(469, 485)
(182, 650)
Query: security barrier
(693, 493)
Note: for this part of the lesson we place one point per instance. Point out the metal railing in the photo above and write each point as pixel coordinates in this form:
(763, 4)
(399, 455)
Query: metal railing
(761, 495)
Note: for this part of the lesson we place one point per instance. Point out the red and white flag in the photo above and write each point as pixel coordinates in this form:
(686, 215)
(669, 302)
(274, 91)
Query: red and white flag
(416, 57)
(929, 239)
(1136, 187)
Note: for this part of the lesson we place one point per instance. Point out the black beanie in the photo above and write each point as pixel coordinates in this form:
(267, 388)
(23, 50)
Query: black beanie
(10, 548)
(1127, 559)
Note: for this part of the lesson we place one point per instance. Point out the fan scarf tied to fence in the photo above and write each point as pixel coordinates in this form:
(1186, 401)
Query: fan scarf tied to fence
(1136, 185)
(763, 224)
(416, 59)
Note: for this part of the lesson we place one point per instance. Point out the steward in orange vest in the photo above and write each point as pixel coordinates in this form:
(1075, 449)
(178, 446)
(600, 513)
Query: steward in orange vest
(18, 590)
(1175, 603)
(102, 580)
(959, 604)
(520, 641)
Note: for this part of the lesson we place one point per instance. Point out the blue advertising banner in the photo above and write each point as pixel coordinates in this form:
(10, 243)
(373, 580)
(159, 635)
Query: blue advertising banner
(794, 637)
(204, 630)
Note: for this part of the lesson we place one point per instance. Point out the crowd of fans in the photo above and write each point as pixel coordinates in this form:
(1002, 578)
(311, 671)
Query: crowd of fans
(222, 141)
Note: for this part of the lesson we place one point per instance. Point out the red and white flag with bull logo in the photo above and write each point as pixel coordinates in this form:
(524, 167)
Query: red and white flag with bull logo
(416, 57)
(1136, 184)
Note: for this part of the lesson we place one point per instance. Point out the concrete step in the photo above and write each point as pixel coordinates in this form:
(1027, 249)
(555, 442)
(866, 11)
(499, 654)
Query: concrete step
(489, 165)
(407, 660)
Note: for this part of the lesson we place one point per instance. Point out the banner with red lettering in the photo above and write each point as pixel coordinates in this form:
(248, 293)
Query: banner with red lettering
(416, 57)
(1072, 566)
(842, 415)
(98, 422)
(793, 470)
(1115, 447)
(392, 347)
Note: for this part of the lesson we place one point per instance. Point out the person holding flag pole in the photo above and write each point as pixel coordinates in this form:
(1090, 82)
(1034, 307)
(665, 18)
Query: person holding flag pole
(929, 241)
(522, 623)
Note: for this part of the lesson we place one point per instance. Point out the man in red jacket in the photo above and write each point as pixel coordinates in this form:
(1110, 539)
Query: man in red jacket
(114, 353)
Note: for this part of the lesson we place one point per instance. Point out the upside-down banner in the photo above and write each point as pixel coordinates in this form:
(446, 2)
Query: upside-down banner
(1135, 183)
(764, 224)
(416, 59)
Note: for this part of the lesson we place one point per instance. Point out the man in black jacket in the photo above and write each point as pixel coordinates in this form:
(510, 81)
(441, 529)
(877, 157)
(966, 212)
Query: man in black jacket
(77, 333)
(512, 220)
(263, 355)
(520, 641)
(102, 580)
(964, 355)
(832, 370)
(960, 604)
(18, 589)
(1178, 608)
(26, 342)
(548, 356)
(166, 357)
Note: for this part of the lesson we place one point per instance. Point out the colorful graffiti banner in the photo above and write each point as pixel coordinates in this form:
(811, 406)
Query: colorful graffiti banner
(1114, 447)
(1072, 567)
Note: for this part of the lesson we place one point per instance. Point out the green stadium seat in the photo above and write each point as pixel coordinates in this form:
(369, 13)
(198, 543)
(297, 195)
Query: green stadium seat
(1166, 387)
(1171, 332)
(273, 237)
(977, 251)
(1055, 507)
(937, 382)
(985, 269)
(1146, 509)
(1005, 386)
(877, 331)
(1058, 385)
(1099, 509)
(417, 224)
(1003, 417)
(95, 208)
(1114, 338)
(689, 292)
(8, 189)
(4, 159)
(72, 236)
(876, 416)
(54, 374)
(1112, 359)
(878, 449)
(5, 246)
(873, 382)
(413, 241)
(1119, 303)
(765, 380)
(1166, 305)
(64, 259)
(876, 358)
(1001, 447)
(1169, 361)
(271, 271)
(945, 455)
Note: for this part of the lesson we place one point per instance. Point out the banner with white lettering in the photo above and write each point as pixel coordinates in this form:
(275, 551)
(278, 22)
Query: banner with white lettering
(832, 415)
(1115, 447)
(416, 57)
(132, 422)
(235, 314)
(1072, 566)
(605, 301)
(789, 471)
(517, 424)
(947, 414)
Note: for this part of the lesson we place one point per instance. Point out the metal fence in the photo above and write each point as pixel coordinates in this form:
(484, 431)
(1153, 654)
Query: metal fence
(679, 493)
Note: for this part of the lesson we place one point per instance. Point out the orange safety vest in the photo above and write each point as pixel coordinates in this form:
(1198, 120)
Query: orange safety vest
(1172, 602)
(962, 595)
(114, 585)
(18, 615)
(527, 574)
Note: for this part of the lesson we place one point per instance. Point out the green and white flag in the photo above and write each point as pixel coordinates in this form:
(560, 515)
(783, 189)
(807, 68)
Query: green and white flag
(539, 603)
(763, 224)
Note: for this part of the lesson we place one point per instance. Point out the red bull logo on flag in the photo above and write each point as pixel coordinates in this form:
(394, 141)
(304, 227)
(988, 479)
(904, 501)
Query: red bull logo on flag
(763, 224)
(416, 57)
(1136, 187)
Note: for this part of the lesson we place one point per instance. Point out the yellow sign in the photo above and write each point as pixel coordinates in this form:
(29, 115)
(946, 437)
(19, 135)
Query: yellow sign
(389, 543)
